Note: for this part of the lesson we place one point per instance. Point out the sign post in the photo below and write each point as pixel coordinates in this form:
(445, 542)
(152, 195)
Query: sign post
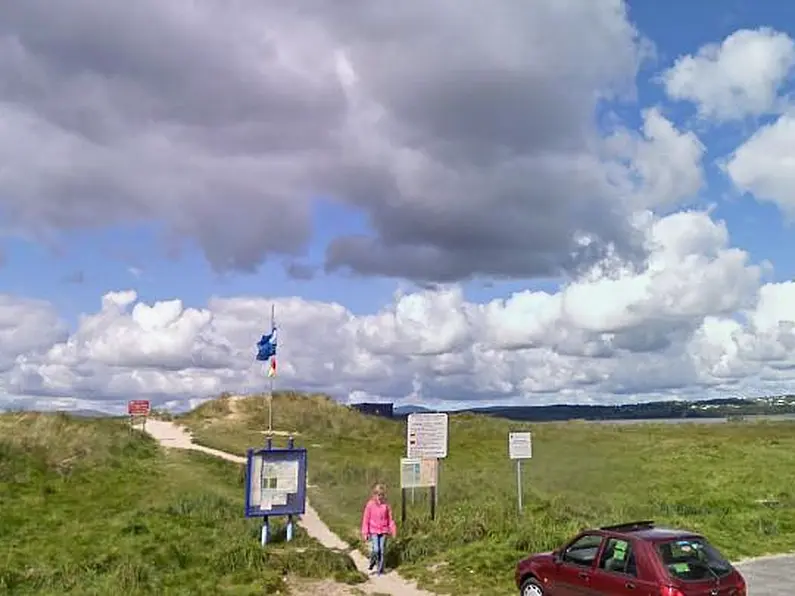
(426, 439)
(520, 447)
(138, 409)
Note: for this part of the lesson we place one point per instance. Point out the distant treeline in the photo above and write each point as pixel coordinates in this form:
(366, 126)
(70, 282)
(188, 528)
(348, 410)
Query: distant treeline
(713, 408)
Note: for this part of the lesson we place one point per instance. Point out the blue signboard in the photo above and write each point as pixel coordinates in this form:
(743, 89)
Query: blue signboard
(275, 482)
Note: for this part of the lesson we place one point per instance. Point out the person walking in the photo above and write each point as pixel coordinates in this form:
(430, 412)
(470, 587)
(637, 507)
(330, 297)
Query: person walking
(377, 524)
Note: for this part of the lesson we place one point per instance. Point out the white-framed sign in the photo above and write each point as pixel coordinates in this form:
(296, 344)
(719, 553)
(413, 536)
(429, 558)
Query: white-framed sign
(427, 436)
(520, 445)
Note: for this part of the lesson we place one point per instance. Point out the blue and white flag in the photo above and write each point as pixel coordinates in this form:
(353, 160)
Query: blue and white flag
(266, 346)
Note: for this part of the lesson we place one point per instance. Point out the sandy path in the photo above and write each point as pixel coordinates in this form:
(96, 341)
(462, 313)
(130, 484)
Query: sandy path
(172, 435)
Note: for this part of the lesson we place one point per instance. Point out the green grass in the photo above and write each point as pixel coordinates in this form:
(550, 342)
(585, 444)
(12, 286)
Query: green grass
(88, 508)
(731, 481)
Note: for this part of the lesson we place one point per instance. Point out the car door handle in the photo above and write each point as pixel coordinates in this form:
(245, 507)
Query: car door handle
(582, 575)
(629, 586)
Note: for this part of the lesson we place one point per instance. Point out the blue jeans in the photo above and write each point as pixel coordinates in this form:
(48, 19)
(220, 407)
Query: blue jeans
(377, 550)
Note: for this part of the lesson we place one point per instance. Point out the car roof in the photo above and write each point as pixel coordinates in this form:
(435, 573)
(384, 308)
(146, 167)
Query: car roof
(647, 531)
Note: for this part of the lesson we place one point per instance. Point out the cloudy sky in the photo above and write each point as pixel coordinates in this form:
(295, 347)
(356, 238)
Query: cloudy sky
(454, 202)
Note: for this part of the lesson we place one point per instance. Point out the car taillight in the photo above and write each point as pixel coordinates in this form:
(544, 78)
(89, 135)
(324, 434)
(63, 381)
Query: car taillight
(741, 589)
(671, 591)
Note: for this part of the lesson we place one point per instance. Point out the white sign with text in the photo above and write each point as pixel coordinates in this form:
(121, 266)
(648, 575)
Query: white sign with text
(426, 436)
(520, 445)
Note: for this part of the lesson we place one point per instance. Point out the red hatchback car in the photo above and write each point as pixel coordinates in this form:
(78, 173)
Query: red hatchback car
(637, 559)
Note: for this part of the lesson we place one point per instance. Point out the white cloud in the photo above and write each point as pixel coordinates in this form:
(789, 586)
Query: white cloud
(611, 335)
(764, 164)
(740, 77)
(26, 326)
(661, 166)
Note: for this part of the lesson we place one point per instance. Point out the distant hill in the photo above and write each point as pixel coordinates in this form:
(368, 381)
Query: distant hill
(712, 408)
(406, 410)
(88, 414)
(21, 406)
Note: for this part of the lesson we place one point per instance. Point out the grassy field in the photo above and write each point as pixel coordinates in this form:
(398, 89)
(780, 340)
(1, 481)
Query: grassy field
(734, 482)
(87, 508)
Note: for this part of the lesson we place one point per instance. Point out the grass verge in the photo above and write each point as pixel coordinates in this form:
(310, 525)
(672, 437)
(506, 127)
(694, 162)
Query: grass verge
(732, 482)
(88, 508)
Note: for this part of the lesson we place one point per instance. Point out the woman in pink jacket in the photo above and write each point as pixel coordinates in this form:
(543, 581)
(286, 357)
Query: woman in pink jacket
(377, 522)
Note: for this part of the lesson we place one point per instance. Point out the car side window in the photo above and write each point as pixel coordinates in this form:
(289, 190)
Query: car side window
(583, 550)
(618, 557)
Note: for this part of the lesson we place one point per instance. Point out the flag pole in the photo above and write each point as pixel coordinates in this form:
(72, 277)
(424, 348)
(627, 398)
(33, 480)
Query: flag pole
(270, 377)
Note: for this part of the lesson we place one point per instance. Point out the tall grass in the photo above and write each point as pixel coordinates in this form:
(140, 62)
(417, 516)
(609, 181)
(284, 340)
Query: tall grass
(734, 482)
(86, 507)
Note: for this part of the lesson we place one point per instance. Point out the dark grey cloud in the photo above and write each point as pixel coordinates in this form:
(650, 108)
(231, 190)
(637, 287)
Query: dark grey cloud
(462, 130)
(300, 271)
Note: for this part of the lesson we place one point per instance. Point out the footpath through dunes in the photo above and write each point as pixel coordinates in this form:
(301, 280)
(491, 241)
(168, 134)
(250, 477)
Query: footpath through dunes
(87, 507)
(170, 434)
(769, 576)
(732, 482)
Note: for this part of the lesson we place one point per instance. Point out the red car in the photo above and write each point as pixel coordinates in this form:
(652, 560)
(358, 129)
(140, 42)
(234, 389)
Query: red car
(634, 559)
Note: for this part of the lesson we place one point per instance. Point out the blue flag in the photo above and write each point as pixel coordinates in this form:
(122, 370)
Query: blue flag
(266, 346)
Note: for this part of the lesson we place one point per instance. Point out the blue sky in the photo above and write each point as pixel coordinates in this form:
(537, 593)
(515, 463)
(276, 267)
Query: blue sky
(104, 259)
(680, 27)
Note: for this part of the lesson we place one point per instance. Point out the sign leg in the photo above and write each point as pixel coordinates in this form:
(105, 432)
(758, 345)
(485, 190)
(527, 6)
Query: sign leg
(289, 528)
(436, 488)
(519, 482)
(265, 531)
(403, 506)
(433, 503)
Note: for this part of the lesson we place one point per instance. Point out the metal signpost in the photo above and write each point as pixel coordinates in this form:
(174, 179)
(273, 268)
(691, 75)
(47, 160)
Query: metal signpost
(418, 473)
(427, 438)
(276, 485)
(138, 409)
(520, 447)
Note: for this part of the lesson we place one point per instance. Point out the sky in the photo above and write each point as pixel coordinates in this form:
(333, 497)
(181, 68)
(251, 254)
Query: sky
(454, 203)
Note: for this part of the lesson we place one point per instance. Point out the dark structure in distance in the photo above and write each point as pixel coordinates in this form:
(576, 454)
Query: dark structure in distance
(385, 410)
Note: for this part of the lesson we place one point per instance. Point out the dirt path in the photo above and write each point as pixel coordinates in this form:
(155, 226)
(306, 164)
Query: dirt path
(172, 435)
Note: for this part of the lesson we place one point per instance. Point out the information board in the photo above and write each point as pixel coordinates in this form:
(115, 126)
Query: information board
(418, 473)
(275, 482)
(520, 445)
(426, 436)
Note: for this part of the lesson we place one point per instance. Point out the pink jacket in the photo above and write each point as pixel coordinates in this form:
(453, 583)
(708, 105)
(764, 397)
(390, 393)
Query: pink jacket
(377, 519)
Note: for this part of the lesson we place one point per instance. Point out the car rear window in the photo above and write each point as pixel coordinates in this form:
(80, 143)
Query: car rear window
(692, 559)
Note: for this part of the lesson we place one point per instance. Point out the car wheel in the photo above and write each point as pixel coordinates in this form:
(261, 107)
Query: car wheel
(531, 587)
